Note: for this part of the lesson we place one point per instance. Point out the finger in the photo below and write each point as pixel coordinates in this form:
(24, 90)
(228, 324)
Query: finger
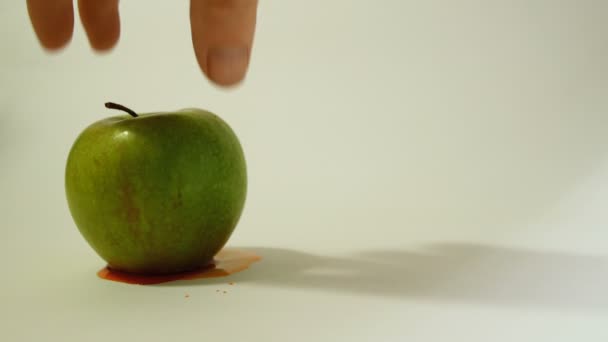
(222, 36)
(101, 22)
(53, 21)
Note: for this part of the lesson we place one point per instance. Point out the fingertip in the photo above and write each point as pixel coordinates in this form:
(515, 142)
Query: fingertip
(53, 22)
(222, 37)
(54, 45)
(227, 66)
(108, 41)
(101, 21)
(104, 45)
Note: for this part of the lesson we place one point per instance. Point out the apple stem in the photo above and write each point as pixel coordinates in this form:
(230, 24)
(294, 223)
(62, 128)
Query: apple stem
(112, 105)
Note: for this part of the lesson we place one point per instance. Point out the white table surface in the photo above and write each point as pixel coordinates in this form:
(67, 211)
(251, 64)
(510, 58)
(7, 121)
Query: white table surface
(419, 171)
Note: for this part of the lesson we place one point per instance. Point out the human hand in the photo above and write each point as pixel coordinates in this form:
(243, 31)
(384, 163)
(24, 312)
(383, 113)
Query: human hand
(222, 31)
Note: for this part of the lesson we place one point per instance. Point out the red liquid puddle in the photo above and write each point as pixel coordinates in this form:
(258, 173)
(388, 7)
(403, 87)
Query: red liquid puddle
(228, 261)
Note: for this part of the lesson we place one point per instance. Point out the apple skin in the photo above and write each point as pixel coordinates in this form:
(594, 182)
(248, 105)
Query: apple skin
(159, 193)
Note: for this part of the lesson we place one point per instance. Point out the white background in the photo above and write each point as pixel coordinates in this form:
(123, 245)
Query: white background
(419, 170)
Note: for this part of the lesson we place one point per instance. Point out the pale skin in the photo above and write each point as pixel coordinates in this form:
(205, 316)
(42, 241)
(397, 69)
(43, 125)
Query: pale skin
(222, 31)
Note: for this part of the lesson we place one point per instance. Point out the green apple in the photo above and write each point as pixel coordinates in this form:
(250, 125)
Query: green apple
(156, 193)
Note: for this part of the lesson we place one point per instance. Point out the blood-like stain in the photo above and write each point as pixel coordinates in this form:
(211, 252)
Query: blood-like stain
(228, 261)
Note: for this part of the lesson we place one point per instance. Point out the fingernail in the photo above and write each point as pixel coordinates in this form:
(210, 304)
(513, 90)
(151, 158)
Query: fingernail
(227, 65)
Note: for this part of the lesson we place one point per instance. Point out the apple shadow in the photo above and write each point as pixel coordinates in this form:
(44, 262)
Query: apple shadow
(460, 272)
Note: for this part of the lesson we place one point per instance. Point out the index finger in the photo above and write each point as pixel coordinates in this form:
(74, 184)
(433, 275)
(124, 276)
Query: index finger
(222, 36)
